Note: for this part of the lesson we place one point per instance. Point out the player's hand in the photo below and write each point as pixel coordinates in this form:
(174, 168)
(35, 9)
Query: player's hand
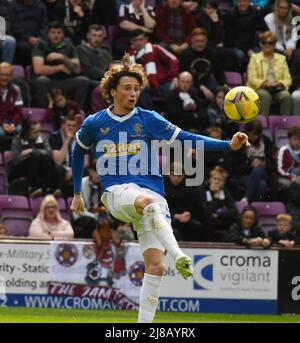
(238, 140)
(77, 204)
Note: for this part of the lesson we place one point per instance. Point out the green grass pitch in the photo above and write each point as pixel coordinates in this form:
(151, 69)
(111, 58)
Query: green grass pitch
(36, 315)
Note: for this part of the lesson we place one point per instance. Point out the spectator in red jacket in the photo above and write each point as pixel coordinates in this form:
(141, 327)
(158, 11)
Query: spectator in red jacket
(174, 25)
(161, 66)
(288, 159)
(11, 103)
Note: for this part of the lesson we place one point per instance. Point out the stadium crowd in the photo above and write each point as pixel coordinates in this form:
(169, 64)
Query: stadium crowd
(52, 59)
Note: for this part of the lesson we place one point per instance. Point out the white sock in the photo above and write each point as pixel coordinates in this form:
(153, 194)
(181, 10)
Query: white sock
(163, 230)
(149, 297)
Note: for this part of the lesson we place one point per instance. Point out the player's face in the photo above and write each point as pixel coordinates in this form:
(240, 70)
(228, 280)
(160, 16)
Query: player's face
(295, 142)
(248, 219)
(127, 93)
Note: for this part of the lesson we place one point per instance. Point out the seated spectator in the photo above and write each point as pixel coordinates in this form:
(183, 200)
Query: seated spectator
(241, 25)
(180, 202)
(203, 63)
(174, 25)
(94, 59)
(8, 44)
(161, 67)
(11, 103)
(215, 206)
(217, 117)
(60, 107)
(49, 224)
(269, 75)
(254, 168)
(210, 20)
(86, 222)
(56, 64)
(288, 160)
(280, 23)
(183, 106)
(62, 143)
(30, 21)
(3, 231)
(77, 18)
(32, 158)
(247, 231)
(283, 235)
(131, 17)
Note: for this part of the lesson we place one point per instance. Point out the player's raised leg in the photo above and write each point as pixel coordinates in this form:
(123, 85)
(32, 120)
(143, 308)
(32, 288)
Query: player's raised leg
(146, 204)
(154, 269)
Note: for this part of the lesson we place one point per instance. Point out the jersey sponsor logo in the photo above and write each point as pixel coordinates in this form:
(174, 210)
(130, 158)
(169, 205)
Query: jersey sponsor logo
(121, 149)
(138, 128)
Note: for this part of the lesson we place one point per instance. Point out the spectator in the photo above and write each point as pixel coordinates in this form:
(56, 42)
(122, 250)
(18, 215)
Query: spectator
(30, 26)
(241, 25)
(288, 160)
(217, 117)
(161, 67)
(283, 235)
(175, 24)
(56, 64)
(94, 59)
(269, 75)
(49, 224)
(280, 23)
(60, 107)
(203, 63)
(254, 168)
(11, 103)
(183, 106)
(62, 143)
(134, 16)
(7, 45)
(215, 206)
(180, 201)
(55, 9)
(32, 158)
(3, 231)
(246, 231)
(86, 222)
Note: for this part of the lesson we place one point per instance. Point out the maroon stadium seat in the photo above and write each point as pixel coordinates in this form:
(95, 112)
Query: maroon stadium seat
(233, 78)
(38, 114)
(19, 70)
(17, 226)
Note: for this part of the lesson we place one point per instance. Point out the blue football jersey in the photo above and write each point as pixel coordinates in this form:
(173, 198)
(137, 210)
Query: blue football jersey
(124, 150)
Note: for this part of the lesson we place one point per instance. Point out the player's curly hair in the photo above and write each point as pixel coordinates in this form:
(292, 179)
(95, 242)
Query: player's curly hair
(119, 69)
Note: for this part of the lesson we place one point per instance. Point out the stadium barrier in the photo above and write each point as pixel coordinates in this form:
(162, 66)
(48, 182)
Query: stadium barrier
(79, 275)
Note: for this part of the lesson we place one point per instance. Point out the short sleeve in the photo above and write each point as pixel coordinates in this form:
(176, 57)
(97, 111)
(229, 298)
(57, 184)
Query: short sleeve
(85, 137)
(162, 129)
(38, 50)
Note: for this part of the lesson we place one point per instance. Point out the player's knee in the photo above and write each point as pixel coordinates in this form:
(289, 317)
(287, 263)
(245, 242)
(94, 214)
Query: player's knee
(156, 268)
(143, 201)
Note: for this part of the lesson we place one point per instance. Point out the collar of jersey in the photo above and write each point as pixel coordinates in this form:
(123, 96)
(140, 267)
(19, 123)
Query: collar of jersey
(120, 118)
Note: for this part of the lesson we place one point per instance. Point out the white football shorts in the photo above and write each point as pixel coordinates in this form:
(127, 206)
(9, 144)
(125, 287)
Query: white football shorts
(119, 200)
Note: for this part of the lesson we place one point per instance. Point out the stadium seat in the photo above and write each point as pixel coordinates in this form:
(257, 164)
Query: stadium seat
(38, 114)
(28, 70)
(283, 122)
(17, 226)
(267, 212)
(13, 201)
(233, 78)
(19, 70)
(240, 205)
(7, 156)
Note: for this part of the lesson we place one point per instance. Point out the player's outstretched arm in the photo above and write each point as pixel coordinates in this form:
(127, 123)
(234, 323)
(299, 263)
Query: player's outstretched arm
(77, 204)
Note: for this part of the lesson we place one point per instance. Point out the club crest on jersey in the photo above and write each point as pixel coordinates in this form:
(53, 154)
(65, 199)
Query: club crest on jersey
(138, 128)
(104, 131)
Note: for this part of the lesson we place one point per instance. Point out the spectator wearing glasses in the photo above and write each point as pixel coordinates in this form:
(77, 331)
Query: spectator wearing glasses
(269, 75)
(49, 224)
